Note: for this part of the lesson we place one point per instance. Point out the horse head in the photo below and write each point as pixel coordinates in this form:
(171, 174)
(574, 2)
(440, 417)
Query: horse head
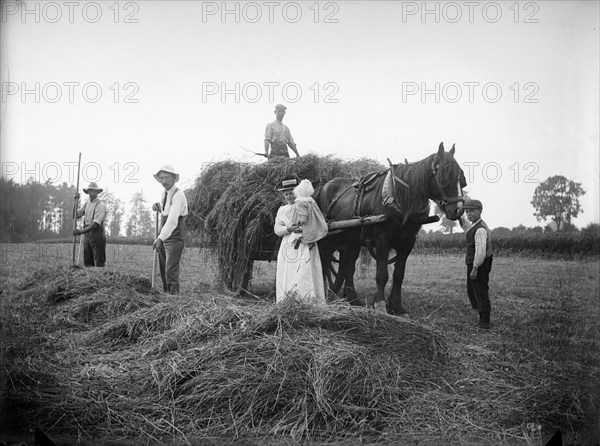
(447, 182)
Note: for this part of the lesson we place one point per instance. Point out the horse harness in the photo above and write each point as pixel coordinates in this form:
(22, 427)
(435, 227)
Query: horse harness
(366, 184)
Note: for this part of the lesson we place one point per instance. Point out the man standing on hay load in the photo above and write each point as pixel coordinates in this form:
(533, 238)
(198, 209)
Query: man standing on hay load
(299, 272)
(479, 260)
(173, 208)
(278, 136)
(94, 239)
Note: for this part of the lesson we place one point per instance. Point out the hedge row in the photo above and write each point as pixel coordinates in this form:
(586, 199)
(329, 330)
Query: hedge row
(584, 243)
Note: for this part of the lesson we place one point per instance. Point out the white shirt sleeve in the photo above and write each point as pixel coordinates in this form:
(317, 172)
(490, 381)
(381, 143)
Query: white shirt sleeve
(480, 247)
(100, 213)
(174, 210)
(290, 139)
(280, 226)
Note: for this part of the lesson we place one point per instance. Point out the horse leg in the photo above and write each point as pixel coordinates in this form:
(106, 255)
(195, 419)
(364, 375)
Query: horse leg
(382, 248)
(347, 268)
(394, 305)
(332, 279)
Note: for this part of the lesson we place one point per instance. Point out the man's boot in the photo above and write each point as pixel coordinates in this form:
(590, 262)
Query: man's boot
(484, 320)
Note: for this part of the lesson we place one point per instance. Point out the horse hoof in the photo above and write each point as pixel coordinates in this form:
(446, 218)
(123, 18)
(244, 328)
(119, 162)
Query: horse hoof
(380, 306)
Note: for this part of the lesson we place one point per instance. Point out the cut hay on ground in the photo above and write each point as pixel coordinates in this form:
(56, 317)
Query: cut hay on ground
(189, 368)
(234, 205)
(60, 283)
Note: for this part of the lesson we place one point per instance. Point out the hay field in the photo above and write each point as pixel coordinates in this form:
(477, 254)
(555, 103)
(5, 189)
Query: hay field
(92, 357)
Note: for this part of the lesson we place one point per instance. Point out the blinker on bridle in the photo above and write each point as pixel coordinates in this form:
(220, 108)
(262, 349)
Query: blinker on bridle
(445, 199)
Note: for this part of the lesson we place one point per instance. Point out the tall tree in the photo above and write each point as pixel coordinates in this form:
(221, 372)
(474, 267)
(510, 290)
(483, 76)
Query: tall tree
(557, 198)
(116, 218)
(447, 225)
(139, 223)
(65, 200)
(33, 210)
(114, 213)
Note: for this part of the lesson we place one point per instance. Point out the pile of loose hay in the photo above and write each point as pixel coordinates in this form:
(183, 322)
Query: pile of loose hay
(210, 365)
(234, 205)
(60, 283)
(111, 362)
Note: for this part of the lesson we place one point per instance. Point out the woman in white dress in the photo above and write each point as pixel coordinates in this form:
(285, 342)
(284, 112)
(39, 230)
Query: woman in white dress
(299, 272)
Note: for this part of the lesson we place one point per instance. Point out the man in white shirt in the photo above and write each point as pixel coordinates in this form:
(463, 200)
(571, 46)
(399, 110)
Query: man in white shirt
(478, 259)
(278, 136)
(169, 244)
(94, 239)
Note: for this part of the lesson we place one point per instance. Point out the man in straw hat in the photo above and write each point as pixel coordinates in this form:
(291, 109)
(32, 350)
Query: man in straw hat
(173, 208)
(478, 259)
(94, 216)
(278, 136)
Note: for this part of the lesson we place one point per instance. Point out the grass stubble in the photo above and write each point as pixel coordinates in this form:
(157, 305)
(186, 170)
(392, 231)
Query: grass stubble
(94, 355)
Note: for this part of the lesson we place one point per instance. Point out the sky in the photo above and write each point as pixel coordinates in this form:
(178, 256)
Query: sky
(135, 85)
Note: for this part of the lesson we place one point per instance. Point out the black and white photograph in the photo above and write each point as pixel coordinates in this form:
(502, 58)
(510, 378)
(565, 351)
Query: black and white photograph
(299, 222)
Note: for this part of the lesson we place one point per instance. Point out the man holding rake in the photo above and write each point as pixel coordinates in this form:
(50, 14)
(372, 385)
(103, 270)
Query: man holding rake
(94, 239)
(169, 244)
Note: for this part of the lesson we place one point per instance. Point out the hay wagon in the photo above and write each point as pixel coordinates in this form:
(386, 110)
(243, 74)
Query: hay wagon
(233, 207)
(269, 246)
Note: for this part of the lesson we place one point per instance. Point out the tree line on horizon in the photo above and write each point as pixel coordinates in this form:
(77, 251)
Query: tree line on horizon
(36, 211)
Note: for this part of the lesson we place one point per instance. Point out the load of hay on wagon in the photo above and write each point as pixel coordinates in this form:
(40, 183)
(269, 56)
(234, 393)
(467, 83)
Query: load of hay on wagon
(233, 207)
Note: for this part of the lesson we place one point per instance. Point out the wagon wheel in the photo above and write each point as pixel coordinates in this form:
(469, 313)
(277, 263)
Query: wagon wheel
(246, 278)
(331, 270)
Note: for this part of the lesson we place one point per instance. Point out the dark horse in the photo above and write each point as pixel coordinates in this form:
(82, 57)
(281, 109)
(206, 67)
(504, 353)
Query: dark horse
(402, 194)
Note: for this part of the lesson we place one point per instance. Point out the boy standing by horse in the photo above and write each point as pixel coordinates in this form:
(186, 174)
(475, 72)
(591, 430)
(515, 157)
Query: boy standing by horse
(479, 260)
